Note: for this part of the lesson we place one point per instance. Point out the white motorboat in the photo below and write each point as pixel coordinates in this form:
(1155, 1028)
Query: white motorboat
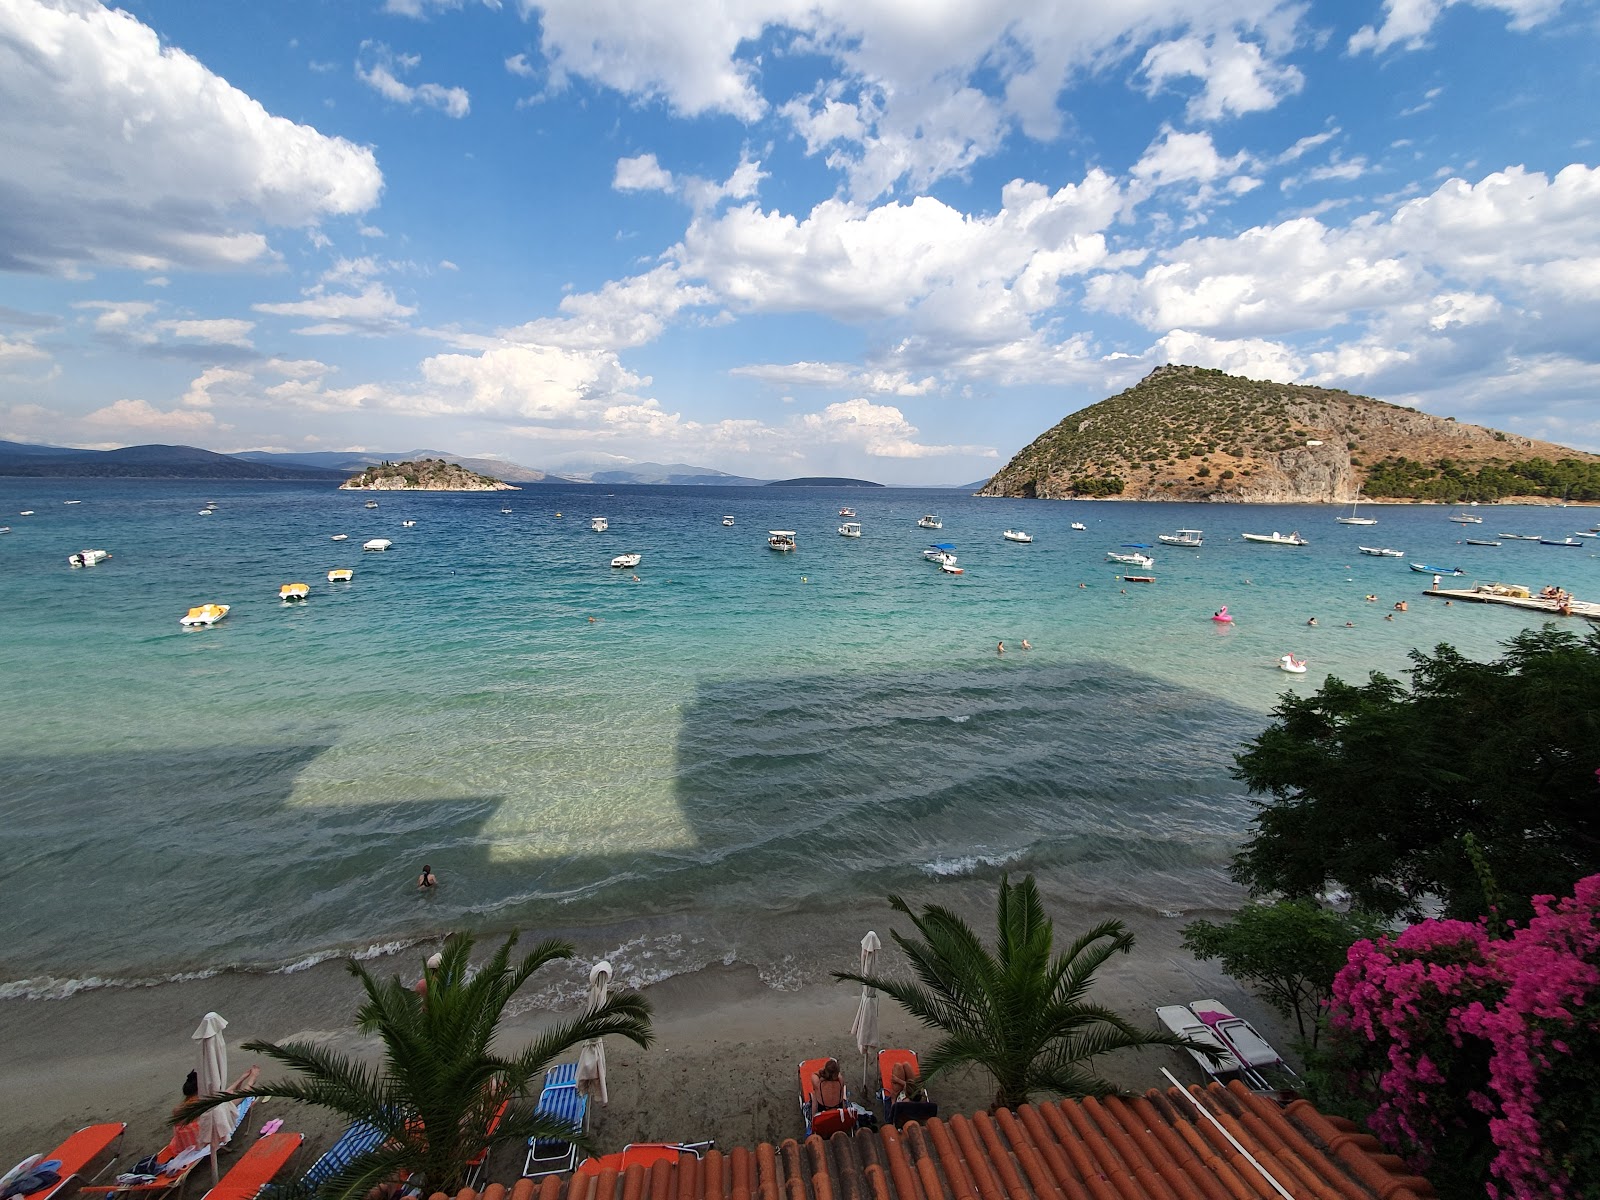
(1131, 560)
(940, 552)
(847, 512)
(727, 520)
(294, 591)
(5, 529)
(87, 558)
(408, 524)
(372, 504)
(339, 537)
(1291, 664)
(1079, 526)
(377, 544)
(1571, 541)
(202, 615)
(507, 511)
(1016, 535)
(781, 539)
(599, 524)
(1425, 569)
(1277, 539)
(27, 512)
(1381, 552)
(205, 512)
(72, 502)
(930, 522)
(850, 529)
(1190, 538)
(1466, 519)
(626, 560)
(1352, 519)
(341, 575)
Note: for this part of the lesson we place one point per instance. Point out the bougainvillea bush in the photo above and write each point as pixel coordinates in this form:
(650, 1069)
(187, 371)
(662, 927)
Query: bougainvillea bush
(1478, 1047)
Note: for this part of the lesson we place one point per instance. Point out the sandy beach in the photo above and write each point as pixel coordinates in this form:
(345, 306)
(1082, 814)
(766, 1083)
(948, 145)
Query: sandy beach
(723, 1065)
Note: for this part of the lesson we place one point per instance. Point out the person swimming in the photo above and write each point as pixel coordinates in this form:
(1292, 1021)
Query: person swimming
(1312, 621)
(427, 880)
(999, 647)
(1025, 645)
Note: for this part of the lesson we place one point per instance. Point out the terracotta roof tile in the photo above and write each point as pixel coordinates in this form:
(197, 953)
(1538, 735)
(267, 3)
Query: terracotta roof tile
(1159, 1146)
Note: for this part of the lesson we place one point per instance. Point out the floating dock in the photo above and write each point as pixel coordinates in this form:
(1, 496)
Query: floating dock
(1578, 608)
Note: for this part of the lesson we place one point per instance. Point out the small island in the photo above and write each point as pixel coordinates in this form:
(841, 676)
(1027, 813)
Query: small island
(423, 475)
(823, 481)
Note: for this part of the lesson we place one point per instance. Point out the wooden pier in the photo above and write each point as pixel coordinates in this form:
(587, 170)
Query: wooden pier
(1577, 608)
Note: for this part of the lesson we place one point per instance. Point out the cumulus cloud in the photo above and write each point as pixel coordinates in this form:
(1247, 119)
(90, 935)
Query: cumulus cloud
(123, 153)
(380, 68)
(218, 331)
(837, 375)
(1237, 77)
(642, 173)
(1407, 23)
(133, 420)
(373, 310)
(880, 430)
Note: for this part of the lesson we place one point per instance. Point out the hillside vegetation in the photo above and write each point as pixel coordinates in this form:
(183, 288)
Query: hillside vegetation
(1189, 433)
(424, 474)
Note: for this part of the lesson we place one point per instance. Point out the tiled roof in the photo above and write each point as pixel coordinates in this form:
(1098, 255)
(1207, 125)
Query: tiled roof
(1157, 1146)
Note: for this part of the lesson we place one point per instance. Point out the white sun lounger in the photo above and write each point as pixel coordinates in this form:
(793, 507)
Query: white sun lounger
(1184, 1023)
(1241, 1037)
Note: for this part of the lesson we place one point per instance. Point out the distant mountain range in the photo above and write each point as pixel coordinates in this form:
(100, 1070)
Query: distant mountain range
(148, 462)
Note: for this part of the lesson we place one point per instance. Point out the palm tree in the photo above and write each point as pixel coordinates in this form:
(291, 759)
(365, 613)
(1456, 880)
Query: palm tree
(441, 1081)
(1015, 1011)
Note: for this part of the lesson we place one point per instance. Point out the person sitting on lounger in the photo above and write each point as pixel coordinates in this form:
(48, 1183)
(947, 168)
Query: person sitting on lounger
(827, 1088)
(906, 1085)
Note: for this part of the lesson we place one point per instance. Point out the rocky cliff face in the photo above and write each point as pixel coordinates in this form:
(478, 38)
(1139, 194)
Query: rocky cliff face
(1188, 433)
(423, 475)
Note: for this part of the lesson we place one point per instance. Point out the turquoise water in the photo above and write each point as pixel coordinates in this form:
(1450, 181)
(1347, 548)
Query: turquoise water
(737, 736)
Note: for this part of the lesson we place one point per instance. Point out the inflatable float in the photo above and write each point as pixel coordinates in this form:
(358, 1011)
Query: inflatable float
(1292, 665)
(1221, 616)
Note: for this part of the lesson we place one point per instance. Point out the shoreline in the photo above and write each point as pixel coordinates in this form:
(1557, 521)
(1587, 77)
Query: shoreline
(723, 1065)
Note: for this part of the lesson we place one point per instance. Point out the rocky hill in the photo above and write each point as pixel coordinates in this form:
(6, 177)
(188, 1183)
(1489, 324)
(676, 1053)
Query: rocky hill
(423, 475)
(1189, 433)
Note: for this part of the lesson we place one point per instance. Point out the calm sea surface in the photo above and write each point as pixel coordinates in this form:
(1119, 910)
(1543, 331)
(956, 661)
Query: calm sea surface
(665, 763)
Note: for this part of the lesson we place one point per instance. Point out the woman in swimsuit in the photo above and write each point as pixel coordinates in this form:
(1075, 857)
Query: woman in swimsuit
(827, 1088)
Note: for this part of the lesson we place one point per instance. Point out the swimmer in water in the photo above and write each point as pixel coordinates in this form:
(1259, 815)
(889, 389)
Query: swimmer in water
(999, 647)
(1025, 645)
(427, 881)
(1312, 621)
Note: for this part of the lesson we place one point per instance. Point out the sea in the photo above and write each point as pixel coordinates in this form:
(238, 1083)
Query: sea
(672, 764)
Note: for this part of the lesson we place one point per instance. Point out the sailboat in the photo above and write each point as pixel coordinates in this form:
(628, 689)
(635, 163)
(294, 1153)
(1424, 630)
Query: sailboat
(1352, 519)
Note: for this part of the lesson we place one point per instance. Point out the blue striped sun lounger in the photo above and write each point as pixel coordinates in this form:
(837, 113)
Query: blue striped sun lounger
(561, 1100)
(353, 1142)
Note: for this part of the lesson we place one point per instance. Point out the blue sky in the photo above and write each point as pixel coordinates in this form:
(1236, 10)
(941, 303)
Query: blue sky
(894, 239)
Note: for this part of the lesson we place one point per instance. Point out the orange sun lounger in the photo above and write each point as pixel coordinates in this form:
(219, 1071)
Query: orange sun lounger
(834, 1119)
(76, 1153)
(643, 1154)
(256, 1167)
(898, 1112)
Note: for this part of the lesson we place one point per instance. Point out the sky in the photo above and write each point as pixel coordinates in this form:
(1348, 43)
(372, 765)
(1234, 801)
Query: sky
(888, 239)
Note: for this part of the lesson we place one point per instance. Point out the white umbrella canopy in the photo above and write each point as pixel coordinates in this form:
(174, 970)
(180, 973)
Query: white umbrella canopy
(592, 1054)
(865, 1027)
(216, 1126)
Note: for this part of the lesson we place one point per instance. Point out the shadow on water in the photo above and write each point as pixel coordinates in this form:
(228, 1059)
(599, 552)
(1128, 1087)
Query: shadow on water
(793, 794)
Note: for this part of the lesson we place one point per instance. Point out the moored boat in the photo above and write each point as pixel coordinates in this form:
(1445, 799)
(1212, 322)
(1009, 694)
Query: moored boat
(1079, 526)
(626, 560)
(1192, 539)
(599, 524)
(1481, 542)
(377, 544)
(850, 529)
(341, 575)
(339, 537)
(1016, 535)
(930, 522)
(1462, 518)
(847, 512)
(781, 540)
(940, 552)
(1381, 551)
(1277, 539)
(294, 591)
(728, 520)
(1131, 560)
(203, 614)
(372, 504)
(87, 558)
(1425, 569)
(950, 568)
(1353, 519)
(1571, 541)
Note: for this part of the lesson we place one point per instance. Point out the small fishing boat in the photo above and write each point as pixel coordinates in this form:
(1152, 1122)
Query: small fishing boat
(727, 520)
(940, 552)
(847, 512)
(408, 524)
(1466, 519)
(507, 511)
(339, 537)
(1481, 542)
(72, 502)
(1425, 569)
(1138, 579)
(1016, 535)
(851, 529)
(377, 544)
(930, 522)
(599, 524)
(87, 558)
(203, 614)
(1381, 552)
(781, 540)
(372, 504)
(1571, 541)
(1190, 538)
(340, 575)
(1079, 526)
(294, 591)
(626, 560)
(1277, 539)
(27, 512)
(950, 568)
(1130, 560)
(5, 529)
(1291, 664)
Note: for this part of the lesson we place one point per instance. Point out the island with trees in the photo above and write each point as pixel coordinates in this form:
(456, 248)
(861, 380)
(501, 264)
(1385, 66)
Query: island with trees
(423, 475)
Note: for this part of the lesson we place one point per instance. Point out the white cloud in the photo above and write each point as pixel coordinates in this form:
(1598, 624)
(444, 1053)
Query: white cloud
(642, 173)
(1407, 23)
(837, 375)
(135, 419)
(373, 310)
(219, 331)
(377, 68)
(19, 353)
(120, 152)
(1238, 77)
(222, 379)
(420, 9)
(519, 65)
(880, 430)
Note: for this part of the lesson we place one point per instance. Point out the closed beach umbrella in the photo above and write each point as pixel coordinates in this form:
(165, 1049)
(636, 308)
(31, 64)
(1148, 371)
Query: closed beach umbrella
(592, 1055)
(216, 1126)
(865, 1027)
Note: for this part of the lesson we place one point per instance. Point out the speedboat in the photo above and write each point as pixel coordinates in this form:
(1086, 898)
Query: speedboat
(339, 537)
(1131, 560)
(1079, 526)
(203, 614)
(377, 544)
(626, 560)
(727, 520)
(930, 522)
(1182, 537)
(1277, 539)
(1466, 519)
(781, 540)
(504, 510)
(1292, 665)
(1016, 535)
(599, 524)
(850, 529)
(206, 512)
(940, 552)
(1425, 569)
(372, 504)
(340, 575)
(1381, 551)
(847, 512)
(72, 502)
(87, 558)
(294, 591)
(1519, 537)
(27, 512)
